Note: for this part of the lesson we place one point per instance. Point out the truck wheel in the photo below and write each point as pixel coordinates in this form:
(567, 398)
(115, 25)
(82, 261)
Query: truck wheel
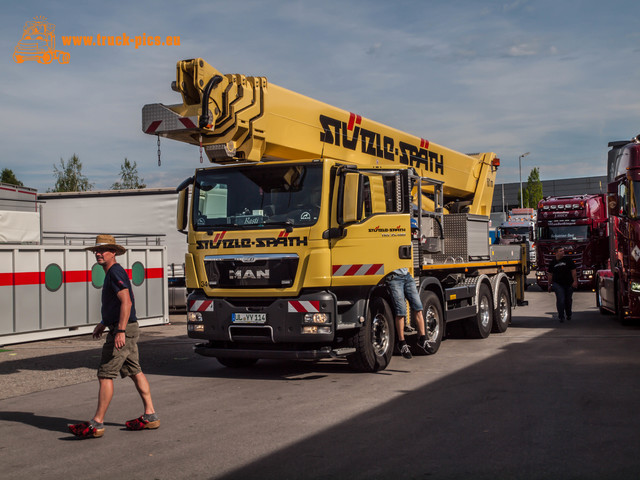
(480, 325)
(603, 310)
(433, 319)
(374, 340)
(237, 362)
(502, 312)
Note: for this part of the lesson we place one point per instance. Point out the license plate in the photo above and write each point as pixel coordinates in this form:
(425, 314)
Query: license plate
(249, 318)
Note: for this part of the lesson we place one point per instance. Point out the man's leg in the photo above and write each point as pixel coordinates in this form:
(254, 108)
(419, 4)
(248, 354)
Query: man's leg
(559, 290)
(104, 398)
(568, 301)
(142, 385)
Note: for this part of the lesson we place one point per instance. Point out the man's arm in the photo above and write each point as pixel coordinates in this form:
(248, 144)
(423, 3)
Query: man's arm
(125, 311)
(574, 274)
(549, 281)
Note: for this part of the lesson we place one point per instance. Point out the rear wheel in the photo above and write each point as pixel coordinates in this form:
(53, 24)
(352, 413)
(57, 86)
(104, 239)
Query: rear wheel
(237, 362)
(502, 312)
(480, 325)
(433, 319)
(375, 339)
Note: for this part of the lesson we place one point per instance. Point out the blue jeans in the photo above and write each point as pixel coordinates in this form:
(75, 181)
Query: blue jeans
(564, 299)
(401, 287)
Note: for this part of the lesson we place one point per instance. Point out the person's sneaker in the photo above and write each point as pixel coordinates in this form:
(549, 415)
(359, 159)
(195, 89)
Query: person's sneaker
(406, 353)
(568, 318)
(423, 344)
(561, 319)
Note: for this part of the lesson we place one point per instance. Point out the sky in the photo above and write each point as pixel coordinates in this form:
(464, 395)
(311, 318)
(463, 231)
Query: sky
(557, 79)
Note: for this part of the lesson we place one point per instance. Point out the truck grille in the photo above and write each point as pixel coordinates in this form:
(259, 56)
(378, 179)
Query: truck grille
(251, 271)
(576, 257)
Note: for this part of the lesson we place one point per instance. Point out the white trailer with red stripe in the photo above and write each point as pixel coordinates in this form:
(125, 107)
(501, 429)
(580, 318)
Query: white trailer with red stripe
(51, 287)
(293, 235)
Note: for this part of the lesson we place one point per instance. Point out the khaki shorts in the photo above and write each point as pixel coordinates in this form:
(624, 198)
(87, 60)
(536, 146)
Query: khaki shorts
(125, 361)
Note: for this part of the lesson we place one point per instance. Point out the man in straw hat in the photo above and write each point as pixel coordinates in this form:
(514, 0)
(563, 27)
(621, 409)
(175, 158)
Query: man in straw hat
(120, 351)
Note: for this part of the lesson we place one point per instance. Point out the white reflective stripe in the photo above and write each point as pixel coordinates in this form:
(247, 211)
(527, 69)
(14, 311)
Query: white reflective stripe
(342, 270)
(302, 306)
(201, 306)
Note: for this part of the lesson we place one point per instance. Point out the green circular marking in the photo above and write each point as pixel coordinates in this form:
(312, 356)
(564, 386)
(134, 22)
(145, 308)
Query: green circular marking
(53, 277)
(137, 274)
(97, 276)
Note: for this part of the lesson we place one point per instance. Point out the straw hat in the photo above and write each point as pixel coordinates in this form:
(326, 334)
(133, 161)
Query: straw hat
(107, 242)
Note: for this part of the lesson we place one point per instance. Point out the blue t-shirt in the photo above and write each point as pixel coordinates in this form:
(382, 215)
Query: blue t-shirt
(115, 280)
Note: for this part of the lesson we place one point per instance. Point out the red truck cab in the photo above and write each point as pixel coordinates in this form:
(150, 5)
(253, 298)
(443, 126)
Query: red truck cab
(618, 288)
(579, 224)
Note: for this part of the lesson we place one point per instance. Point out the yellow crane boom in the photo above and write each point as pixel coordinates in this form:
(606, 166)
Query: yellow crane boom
(235, 118)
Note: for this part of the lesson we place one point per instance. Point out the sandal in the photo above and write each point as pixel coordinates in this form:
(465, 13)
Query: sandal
(143, 422)
(86, 430)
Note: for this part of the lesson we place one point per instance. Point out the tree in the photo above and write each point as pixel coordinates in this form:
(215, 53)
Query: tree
(69, 177)
(129, 177)
(532, 193)
(9, 177)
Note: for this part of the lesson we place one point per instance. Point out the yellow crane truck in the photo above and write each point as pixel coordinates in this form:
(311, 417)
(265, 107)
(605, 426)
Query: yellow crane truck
(308, 209)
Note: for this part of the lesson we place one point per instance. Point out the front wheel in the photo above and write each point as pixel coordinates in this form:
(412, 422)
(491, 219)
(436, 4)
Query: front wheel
(374, 341)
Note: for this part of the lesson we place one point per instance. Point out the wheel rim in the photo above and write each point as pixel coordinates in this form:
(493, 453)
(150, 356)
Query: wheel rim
(504, 309)
(431, 323)
(380, 335)
(484, 312)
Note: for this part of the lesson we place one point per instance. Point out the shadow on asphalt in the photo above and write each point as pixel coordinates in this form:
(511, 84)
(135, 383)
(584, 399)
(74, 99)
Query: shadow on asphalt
(54, 424)
(545, 408)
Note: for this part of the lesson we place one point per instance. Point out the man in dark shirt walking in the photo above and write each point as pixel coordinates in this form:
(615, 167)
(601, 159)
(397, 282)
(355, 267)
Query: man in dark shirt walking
(563, 280)
(120, 351)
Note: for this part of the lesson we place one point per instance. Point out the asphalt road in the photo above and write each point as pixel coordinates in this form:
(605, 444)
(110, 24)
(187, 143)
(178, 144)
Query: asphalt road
(543, 401)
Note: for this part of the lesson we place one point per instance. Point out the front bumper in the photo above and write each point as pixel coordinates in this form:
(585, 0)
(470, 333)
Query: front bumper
(263, 323)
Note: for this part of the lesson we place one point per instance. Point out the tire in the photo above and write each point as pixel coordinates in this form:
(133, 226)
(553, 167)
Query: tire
(480, 325)
(374, 341)
(502, 312)
(237, 362)
(603, 310)
(433, 319)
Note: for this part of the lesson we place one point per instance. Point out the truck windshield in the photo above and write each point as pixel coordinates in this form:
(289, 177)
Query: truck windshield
(564, 232)
(261, 196)
(512, 231)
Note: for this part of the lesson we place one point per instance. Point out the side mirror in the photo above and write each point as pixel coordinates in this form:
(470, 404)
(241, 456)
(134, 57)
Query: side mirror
(183, 203)
(181, 213)
(350, 198)
(612, 204)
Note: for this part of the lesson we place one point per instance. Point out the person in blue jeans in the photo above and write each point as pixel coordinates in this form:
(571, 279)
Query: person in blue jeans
(563, 279)
(403, 287)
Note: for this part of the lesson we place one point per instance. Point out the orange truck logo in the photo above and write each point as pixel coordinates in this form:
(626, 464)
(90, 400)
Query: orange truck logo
(38, 43)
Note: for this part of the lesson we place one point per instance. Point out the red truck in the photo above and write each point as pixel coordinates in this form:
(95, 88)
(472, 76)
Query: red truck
(579, 224)
(618, 288)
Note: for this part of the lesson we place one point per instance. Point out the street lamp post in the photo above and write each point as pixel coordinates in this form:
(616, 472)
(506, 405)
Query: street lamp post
(520, 165)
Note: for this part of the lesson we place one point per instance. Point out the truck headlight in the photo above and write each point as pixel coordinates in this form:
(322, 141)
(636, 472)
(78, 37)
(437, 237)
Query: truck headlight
(315, 329)
(194, 317)
(635, 287)
(587, 272)
(315, 318)
(541, 274)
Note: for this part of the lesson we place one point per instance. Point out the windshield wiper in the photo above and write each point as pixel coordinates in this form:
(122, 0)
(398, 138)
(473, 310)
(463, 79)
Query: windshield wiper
(288, 226)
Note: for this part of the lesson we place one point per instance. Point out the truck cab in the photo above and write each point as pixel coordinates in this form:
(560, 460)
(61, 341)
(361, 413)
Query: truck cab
(579, 224)
(618, 287)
